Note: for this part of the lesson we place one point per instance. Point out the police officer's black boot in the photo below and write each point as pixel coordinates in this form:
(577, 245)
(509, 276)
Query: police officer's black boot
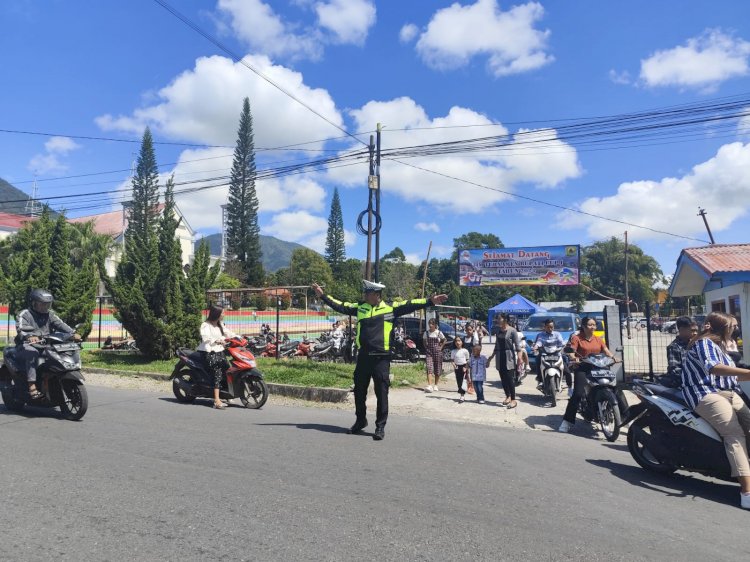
(379, 433)
(357, 427)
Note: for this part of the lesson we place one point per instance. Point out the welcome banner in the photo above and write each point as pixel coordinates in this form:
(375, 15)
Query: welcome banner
(543, 265)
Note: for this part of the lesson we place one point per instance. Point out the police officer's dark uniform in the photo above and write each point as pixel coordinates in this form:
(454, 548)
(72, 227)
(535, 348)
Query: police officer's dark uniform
(374, 326)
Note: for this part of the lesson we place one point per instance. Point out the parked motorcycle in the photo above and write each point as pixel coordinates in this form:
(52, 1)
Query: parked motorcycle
(243, 380)
(59, 377)
(552, 371)
(404, 348)
(666, 435)
(122, 345)
(600, 402)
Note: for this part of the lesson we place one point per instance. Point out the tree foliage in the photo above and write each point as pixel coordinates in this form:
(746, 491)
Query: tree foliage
(243, 231)
(335, 251)
(43, 254)
(155, 301)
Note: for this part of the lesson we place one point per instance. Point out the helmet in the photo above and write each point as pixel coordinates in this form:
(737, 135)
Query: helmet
(369, 286)
(41, 295)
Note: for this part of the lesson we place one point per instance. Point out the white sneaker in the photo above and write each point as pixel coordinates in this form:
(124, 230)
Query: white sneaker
(461, 399)
(565, 426)
(428, 388)
(744, 501)
(435, 388)
(481, 401)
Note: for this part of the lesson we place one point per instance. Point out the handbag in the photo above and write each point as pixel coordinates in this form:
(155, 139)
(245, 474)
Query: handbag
(464, 385)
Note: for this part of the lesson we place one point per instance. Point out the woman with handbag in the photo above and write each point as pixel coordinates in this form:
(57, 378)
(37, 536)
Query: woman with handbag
(460, 359)
(507, 350)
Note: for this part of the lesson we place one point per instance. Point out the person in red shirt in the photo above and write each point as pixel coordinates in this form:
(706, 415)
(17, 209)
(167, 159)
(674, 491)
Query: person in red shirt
(584, 343)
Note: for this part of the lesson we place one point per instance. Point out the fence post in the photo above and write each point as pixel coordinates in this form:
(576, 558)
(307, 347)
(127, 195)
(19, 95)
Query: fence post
(648, 341)
(278, 336)
(100, 300)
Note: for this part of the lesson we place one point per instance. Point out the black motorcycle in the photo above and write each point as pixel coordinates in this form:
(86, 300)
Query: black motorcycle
(600, 402)
(666, 435)
(404, 348)
(59, 378)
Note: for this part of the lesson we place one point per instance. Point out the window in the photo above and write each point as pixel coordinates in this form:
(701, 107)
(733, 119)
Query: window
(734, 308)
(718, 306)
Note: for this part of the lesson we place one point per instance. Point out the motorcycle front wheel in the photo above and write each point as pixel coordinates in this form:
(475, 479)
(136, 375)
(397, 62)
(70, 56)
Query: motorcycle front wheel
(412, 355)
(254, 392)
(552, 391)
(609, 415)
(75, 400)
(638, 434)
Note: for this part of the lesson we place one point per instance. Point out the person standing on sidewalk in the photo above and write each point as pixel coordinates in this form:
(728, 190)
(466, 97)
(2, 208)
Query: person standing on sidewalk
(433, 340)
(507, 347)
(478, 370)
(460, 359)
(374, 326)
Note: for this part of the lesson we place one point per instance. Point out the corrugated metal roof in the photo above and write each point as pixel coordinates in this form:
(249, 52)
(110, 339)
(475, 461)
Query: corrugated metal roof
(105, 223)
(11, 221)
(720, 257)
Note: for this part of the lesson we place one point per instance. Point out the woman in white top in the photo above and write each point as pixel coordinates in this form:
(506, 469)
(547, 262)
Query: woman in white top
(213, 337)
(460, 359)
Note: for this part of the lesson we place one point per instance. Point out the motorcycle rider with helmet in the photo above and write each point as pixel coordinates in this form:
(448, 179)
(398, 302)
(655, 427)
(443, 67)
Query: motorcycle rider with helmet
(33, 324)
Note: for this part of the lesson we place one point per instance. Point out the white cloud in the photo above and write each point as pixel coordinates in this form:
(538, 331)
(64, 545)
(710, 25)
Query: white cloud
(703, 62)
(264, 31)
(49, 162)
(458, 33)
(414, 258)
(408, 33)
(620, 77)
(426, 227)
(305, 228)
(719, 185)
(203, 105)
(528, 157)
(348, 20)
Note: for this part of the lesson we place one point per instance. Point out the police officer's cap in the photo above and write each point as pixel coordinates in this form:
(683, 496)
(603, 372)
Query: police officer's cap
(370, 286)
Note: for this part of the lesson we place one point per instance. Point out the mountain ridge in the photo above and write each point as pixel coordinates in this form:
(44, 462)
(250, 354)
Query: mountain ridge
(277, 253)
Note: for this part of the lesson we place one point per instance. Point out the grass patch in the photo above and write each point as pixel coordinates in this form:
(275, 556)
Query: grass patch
(287, 371)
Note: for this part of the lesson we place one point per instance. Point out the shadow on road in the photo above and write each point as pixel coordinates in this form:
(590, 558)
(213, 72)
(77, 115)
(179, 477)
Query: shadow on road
(314, 426)
(29, 412)
(678, 485)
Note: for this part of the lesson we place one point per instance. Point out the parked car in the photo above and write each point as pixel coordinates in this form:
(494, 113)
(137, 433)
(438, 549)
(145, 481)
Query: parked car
(567, 323)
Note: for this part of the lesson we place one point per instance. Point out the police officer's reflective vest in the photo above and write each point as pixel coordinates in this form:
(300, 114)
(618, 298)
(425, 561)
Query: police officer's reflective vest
(375, 323)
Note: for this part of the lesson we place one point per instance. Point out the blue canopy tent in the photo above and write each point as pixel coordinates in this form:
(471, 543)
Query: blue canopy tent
(516, 305)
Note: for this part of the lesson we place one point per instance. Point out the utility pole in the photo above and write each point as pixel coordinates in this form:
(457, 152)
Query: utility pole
(627, 294)
(702, 213)
(377, 206)
(370, 186)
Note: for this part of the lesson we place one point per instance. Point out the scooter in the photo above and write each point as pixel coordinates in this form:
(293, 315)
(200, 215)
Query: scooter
(600, 402)
(59, 377)
(552, 367)
(243, 380)
(665, 434)
(404, 348)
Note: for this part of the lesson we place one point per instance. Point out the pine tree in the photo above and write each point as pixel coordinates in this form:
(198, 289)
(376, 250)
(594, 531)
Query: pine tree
(335, 251)
(243, 231)
(61, 274)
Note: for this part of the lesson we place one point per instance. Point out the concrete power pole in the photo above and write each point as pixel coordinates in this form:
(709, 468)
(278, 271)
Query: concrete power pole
(702, 213)
(627, 293)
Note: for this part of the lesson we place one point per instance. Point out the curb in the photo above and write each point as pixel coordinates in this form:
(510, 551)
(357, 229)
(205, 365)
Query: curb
(310, 393)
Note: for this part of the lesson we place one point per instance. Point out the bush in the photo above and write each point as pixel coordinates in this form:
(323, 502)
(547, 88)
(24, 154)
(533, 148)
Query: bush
(286, 301)
(261, 301)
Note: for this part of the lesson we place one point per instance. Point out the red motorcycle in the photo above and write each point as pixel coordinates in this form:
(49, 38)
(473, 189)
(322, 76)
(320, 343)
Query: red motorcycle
(243, 380)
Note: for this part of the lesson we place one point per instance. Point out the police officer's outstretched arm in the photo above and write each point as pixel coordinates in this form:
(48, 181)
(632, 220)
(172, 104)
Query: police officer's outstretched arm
(402, 308)
(349, 308)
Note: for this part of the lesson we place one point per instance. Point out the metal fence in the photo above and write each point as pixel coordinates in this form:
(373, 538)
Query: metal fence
(645, 338)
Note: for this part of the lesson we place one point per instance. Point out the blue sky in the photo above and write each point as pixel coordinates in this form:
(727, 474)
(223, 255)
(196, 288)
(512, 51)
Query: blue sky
(107, 69)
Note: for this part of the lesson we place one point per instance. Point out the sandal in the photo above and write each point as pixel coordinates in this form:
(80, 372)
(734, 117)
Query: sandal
(220, 406)
(35, 394)
(506, 401)
(512, 404)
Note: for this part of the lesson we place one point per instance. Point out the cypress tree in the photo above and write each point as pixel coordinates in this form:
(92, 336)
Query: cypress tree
(61, 274)
(243, 231)
(335, 252)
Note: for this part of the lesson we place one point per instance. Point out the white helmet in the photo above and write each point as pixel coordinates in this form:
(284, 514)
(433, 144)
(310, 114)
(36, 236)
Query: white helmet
(370, 286)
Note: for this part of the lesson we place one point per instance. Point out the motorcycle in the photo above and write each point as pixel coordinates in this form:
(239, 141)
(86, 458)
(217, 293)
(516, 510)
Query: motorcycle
(600, 402)
(404, 348)
(243, 380)
(552, 371)
(666, 435)
(59, 377)
(126, 345)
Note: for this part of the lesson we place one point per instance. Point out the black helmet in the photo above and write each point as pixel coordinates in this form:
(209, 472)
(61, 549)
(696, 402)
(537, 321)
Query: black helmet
(41, 295)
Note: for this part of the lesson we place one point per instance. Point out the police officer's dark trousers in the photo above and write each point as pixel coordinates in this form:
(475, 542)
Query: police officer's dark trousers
(377, 368)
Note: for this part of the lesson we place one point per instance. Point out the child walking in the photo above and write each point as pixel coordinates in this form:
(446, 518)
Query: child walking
(478, 368)
(460, 359)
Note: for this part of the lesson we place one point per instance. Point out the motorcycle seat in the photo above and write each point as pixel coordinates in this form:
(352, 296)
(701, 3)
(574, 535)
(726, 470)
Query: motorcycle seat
(673, 394)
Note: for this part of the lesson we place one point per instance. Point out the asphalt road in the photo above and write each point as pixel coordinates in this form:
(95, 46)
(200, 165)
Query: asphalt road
(145, 478)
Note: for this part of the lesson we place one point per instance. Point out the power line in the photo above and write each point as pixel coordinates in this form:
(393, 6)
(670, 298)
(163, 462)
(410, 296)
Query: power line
(238, 59)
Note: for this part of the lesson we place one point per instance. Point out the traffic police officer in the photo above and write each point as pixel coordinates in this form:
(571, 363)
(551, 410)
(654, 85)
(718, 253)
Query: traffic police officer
(374, 325)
